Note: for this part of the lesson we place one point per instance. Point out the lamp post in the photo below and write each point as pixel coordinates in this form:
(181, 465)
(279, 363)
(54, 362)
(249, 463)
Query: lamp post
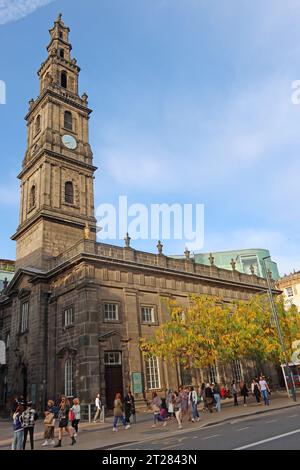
(275, 316)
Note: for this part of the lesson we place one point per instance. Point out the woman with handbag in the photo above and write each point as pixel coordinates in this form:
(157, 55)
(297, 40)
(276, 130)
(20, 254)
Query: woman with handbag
(63, 424)
(75, 415)
(49, 423)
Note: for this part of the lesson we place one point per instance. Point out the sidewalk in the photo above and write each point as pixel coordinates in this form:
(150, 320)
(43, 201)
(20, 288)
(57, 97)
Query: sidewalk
(101, 436)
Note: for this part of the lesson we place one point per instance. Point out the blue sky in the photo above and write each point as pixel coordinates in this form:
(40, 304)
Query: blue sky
(192, 104)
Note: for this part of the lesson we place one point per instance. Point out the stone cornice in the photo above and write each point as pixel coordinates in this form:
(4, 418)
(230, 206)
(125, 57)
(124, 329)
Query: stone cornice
(60, 157)
(72, 99)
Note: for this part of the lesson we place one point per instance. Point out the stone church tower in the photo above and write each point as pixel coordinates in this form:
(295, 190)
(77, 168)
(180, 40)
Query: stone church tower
(57, 197)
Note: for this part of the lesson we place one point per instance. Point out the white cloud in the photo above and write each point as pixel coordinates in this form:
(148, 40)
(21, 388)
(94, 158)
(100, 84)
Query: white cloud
(12, 10)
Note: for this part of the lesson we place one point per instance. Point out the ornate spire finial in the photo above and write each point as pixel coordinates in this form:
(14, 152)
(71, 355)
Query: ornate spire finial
(233, 264)
(187, 253)
(211, 259)
(59, 17)
(127, 240)
(159, 246)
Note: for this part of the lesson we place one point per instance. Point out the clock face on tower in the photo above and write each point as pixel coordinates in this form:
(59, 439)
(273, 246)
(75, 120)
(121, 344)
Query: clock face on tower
(69, 141)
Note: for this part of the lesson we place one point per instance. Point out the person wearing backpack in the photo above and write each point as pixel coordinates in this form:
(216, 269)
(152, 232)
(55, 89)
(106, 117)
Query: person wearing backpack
(29, 417)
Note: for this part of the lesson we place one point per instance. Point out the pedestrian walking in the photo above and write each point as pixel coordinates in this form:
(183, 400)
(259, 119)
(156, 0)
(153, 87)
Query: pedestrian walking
(255, 390)
(156, 408)
(98, 406)
(234, 393)
(209, 397)
(63, 421)
(18, 436)
(76, 416)
(49, 423)
(169, 402)
(193, 400)
(29, 417)
(244, 392)
(129, 406)
(184, 396)
(217, 396)
(265, 390)
(177, 403)
(119, 413)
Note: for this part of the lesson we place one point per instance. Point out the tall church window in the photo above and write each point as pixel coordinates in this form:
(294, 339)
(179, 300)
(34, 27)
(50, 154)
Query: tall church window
(68, 120)
(24, 316)
(62, 53)
(38, 124)
(69, 377)
(69, 192)
(64, 80)
(32, 197)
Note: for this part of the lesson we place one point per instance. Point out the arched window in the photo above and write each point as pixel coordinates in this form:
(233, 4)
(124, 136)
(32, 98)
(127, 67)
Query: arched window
(62, 53)
(32, 197)
(69, 193)
(69, 377)
(38, 124)
(61, 35)
(68, 120)
(64, 80)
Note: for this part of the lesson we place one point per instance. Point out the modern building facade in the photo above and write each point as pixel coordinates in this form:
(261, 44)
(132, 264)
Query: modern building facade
(74, 313)
(245, 261)
(7, 270)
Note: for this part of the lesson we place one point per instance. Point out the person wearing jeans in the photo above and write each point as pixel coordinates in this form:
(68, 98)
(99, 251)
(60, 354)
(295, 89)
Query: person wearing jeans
(118, 413)
(217, 396)
(193, 400)
(18, 439)
(264, 388)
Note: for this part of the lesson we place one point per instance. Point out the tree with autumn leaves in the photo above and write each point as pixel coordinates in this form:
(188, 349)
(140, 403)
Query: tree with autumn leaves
(211, 330)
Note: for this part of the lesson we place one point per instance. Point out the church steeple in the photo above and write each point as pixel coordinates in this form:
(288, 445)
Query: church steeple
(59, 68)
(57, 192)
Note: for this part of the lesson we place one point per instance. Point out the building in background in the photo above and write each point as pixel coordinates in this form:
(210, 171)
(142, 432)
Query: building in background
(290, 286)
(248, 261)
(7, 270)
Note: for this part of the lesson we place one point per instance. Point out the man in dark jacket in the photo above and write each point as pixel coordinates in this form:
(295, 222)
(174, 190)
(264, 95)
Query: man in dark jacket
(29, 417)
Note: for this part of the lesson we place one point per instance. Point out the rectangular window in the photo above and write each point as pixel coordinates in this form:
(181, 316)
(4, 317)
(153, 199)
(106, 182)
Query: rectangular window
(152, 373)
(237, 370)
(147, 315)
(69, 316)
(289, 291)
(112, 358)
(213, 374)
(111, 312)
(69, 377)
(24, 316)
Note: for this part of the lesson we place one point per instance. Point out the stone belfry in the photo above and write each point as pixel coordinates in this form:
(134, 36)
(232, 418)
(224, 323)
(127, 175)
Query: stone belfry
(57, 194)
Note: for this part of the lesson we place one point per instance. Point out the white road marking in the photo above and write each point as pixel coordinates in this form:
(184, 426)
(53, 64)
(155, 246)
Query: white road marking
(258, 443)
(243, 429)
(195, 437)
(293, 416)
(210, 437)
(171, 447)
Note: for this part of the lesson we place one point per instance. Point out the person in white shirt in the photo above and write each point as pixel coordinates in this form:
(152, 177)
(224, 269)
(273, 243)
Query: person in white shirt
(98, 407)
(264, 388)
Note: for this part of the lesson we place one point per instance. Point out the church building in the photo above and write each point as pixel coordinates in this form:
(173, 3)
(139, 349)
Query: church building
(75, 309)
